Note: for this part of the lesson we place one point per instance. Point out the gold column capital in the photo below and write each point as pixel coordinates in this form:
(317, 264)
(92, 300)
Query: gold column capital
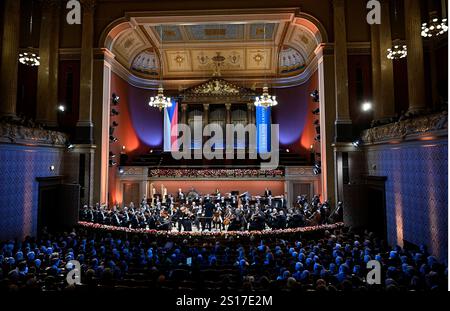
(184, 107)
(228, 106)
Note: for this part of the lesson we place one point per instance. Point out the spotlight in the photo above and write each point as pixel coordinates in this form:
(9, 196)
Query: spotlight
(315, 96)
(317, 169)
(52, 168)
(287, 150)
(112, 163)
(123, 147)
(316, 111)
(115, 99)
(115, 124)
(112, 139)
(121, 170)
(111, 154)
(366, 106)
(114, 112)
(62, 108)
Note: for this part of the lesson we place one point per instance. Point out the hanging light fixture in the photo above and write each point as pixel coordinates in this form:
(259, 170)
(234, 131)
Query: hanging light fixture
(435, 27)
(265, 100)
(29, 57)
(160, 101)
(399, 49)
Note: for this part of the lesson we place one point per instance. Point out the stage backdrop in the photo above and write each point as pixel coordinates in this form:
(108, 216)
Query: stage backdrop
(141, 128)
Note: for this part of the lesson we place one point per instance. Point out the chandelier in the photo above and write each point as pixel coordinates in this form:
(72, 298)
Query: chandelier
(397, 51)
(434, 27)
(29, 58)
(160, 101)
(265, 100)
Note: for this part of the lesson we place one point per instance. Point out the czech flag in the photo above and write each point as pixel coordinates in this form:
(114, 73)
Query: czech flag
(171, 127)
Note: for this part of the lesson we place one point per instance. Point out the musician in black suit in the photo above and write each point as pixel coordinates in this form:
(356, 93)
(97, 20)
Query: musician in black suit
(209, 212)
(267, 193)
(281, 220)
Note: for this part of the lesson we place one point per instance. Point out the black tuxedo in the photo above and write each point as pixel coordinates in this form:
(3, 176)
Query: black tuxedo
(209, 211)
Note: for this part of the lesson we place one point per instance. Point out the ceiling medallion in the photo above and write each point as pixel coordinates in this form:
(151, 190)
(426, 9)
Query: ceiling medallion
(258, 58)
(179, 59)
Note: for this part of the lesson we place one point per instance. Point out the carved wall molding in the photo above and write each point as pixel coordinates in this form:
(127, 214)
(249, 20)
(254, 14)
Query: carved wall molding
(215, 173)
(408, 127)
(12, 133)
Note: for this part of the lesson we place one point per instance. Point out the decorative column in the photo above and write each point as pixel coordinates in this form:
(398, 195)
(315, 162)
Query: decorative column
(84, 131)
(249, 113)
(101, 94)
(326, 76)
(228, 115)
(343, 122)
(205, 114)
(184, 114)
(10, 57)
(376, 72)
(416, 75)
(387, 101)
(47, 85)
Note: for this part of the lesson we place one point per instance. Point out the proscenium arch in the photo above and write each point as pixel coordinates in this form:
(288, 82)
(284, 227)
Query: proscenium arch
(308, 23)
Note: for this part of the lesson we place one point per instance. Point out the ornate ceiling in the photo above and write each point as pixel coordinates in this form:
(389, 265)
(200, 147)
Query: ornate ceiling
(191, 48)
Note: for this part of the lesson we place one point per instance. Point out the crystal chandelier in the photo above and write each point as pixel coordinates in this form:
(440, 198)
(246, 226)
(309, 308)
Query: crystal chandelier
(160, 101)
(397, 51)
(434, 27)
(29, 58)
(266, 100)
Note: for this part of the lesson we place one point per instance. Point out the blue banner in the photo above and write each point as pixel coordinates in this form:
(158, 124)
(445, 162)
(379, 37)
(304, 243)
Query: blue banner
(263, 129)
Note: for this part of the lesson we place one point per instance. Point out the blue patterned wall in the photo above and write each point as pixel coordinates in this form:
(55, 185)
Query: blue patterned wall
(416, 192)
(19, 167)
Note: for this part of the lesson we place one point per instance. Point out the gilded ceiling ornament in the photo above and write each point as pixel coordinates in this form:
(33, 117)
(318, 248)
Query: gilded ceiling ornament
(258, 58)
(216, 87)
(203, 59)
(179, 59)
(234, 58)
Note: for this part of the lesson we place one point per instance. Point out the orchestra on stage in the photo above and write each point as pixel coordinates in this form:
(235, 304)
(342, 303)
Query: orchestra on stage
(192, 211)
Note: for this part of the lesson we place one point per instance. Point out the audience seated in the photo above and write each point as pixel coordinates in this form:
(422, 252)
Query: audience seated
(332, 261)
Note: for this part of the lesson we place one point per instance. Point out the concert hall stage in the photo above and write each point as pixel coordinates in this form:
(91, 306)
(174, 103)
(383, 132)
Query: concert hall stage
(133, 183)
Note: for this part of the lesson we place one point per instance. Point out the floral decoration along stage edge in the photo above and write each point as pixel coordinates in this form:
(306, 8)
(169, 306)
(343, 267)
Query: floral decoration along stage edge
(159, 233)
